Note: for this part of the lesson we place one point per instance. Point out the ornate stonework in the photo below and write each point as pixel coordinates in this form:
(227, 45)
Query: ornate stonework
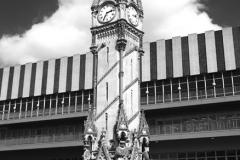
(126, 136)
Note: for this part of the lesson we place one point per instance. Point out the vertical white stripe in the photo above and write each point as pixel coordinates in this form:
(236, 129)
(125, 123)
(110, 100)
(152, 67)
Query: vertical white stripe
(229, 49)
(38, 80)
(146, 63)
(211, 52)
(193, 54)
(63, 74)
(177, 57)
(76, 72)
(5, 80)
(27, 80)
(50, 76)
(16, 78)
(161, 60)
(89, 71)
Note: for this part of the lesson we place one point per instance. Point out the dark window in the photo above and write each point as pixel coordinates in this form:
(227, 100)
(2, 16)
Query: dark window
(159, 89)
(236, 73)
(231, 153)
(158, 83)
(219, 82)
(201, 154)
(200, 77)
(24, 104)
(227, 74)
(211, 154)
(163, 156)
(220, 153)
(183, 86)
(166, 82)
(191, 79)
(143, 91)
(151, 121)
(217, 75)
(143, 85)
(167, 89)
(183, 80)
(209, 83)
(29, 106)
(172, 155)
(209, 76)
(227, 81)
(231, 158)
(175, 87)
(192, 85)
(35, 103)
(151, 90)
(201, 84)
(181, 155)
(175, 81)
(236, 80)
(155, 156)
(151, 84)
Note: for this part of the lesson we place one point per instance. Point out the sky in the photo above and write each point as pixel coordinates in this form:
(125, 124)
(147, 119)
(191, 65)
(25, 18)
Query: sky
(34, 30)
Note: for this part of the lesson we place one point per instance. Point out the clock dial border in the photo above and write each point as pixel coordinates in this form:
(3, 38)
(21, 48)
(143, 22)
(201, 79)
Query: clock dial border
(101, 7)
(137, 15)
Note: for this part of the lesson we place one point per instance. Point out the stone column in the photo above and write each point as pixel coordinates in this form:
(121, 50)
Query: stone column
(121, 48)
(140, 54)
(95, 67)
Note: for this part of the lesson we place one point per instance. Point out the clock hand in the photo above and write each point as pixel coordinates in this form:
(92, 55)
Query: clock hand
(107, 14)
(109, 11)
(104, 16)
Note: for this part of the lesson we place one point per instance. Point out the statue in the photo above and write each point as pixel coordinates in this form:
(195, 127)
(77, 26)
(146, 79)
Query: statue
(111, 146)
(87, 153)
(122, 152)
(145, 155)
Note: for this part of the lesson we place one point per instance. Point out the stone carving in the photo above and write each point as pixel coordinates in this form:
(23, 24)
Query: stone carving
(125, 143)
(122, 152)
(87, 153)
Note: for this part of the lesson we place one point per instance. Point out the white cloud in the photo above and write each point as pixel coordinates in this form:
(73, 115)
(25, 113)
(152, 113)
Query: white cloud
(67, 31)
(169, 18)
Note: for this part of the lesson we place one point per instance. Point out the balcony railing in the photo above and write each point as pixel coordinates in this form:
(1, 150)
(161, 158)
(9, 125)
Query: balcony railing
(187, 95)
(195, 126)
(41, 139)
(43, 112)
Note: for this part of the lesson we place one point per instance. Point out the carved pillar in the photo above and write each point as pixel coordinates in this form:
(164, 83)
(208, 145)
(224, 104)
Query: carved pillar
(140, 54)
(95, 67)
(121, 48)
(95, 49)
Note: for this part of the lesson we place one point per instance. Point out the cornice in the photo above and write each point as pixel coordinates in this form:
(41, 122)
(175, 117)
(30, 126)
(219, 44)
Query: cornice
(115, 27)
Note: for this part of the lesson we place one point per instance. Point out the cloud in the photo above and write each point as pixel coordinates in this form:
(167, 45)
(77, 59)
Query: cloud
(67, 31)
(165, 19)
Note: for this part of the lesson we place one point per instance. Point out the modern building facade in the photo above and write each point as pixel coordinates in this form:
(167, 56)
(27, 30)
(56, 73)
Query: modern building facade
(190, 91)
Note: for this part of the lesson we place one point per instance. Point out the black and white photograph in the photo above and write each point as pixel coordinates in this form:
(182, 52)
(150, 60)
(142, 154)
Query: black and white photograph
(119, 80)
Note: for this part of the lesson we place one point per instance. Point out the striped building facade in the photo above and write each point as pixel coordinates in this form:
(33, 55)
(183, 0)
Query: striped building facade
(190, 91)
(195, 54)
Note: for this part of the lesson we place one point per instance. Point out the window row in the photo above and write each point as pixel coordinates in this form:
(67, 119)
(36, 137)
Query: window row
(209, 155)
(195, 123)
(66, 159)
(43, 135)
(46, 105)
(188, 88)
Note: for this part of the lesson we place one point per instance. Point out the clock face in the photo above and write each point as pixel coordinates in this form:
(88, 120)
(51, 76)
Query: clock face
(107, 13)
(133, 15)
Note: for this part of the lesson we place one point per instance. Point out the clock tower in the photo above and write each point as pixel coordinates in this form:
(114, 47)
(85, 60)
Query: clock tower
(116, 127)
